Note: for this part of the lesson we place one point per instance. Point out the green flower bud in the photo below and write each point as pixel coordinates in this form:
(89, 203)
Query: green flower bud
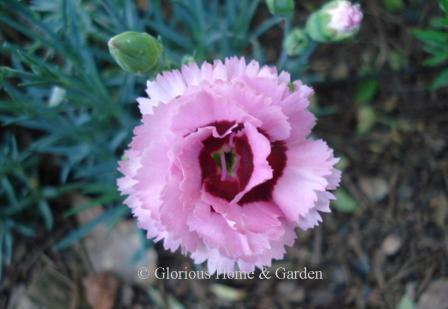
(281, 7)
(186, 59)
(335, 21)
(135, 52)
(296, 41)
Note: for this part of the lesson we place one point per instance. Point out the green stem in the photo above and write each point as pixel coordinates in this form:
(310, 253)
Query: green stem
(283, 56)
(301, 65)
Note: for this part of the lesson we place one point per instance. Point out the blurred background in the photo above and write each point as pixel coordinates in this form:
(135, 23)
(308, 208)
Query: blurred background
(67, 112)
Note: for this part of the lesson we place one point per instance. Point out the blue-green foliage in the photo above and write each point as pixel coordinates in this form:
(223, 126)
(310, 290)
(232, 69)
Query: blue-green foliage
(15, 173)
(73, 109)
(76, 106)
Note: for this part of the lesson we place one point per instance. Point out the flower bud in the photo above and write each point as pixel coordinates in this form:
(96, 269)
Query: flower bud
(335, 21)
(187, 59)
(296, 41)
(135, 52)
(280, 7)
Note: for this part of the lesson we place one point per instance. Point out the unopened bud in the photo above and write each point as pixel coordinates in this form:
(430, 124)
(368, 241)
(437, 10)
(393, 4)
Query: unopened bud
(335, 21)
(296, 41)
(280, 7)
(135, 52)
(187, 59)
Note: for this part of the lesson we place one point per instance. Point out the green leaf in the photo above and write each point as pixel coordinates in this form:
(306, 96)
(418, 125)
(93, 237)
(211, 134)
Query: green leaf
(167, 34)
(443, 5)
(439, 22)
(104, 199)
(436, 59)
(393, 5)
(344, 202)
(366, 119)
(435, 49)
(265, 26)
(45, 37)
(22, 229)
(441, 80)
(396, 60)
(7, 248)
(45, 211)
(366, 90)
(2, 237)
(109, 217)
(431, 36)
(10, 192)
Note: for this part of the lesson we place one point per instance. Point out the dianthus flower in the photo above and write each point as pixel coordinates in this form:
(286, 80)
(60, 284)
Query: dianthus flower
(222, 165)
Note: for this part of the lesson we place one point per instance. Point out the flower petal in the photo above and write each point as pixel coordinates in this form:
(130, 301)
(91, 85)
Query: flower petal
(308, 165)
(261, 148)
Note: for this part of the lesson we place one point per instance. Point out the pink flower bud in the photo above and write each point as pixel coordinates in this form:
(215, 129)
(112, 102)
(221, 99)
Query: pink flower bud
(345, 17)
(335, 21)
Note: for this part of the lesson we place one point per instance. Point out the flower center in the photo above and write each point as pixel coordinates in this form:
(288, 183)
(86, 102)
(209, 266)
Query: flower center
(227, 165)
(225, 161)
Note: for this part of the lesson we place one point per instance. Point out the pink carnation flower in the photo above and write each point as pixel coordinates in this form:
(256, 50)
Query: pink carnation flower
(222, 165)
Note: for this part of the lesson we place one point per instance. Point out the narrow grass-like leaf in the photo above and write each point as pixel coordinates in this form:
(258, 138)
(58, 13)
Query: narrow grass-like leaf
(436, 59)
(21, 229)
(7, 248)
(2, 252)
(441, 80)
(45, 211)
(109, 216)
(104, 199)
(265, 26)
(431, 36)
(9, 191)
